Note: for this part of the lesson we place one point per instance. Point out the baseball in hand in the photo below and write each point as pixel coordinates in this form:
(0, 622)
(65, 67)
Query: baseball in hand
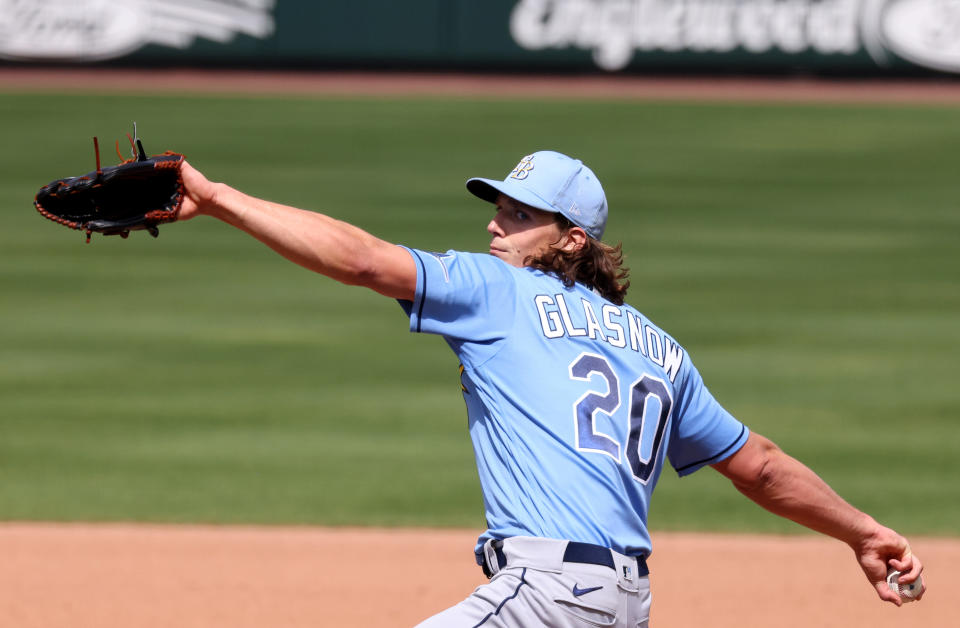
(908, 592)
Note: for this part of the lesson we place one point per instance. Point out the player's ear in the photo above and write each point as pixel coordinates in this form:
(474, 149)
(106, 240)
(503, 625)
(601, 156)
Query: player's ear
(573, 239)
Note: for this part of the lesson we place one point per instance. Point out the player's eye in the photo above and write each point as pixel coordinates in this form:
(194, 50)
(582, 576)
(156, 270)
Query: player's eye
(521, 215)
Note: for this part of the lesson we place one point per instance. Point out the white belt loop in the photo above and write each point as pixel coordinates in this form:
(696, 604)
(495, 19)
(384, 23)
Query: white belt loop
(490, 554)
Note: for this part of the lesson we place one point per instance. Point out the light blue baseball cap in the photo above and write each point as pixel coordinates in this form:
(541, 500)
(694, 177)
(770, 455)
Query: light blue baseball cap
(553, 182)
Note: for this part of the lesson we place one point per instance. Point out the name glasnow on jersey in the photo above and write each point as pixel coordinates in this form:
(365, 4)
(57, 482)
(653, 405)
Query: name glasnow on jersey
(614, 325)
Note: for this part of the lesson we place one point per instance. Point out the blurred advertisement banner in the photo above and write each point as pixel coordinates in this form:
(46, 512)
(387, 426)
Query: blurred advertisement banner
(88, 30)
(926, 32)
(871, 36)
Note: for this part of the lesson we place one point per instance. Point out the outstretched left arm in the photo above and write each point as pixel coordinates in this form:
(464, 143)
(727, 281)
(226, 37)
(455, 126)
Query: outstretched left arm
(313, 240)
(786, 487)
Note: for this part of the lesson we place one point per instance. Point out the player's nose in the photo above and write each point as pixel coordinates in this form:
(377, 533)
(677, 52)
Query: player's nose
(493, 228)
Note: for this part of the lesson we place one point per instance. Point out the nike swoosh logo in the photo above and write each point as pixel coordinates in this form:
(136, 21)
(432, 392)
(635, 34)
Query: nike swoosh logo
(577, 591)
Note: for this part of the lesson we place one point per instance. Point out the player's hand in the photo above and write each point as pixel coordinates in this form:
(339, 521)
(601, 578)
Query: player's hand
(886, 549)
(199, 192)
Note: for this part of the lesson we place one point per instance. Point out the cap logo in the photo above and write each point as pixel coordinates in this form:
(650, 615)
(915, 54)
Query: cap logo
(522, 169)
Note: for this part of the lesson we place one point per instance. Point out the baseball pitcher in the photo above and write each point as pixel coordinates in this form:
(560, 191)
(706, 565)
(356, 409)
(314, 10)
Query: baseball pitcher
(575, 400)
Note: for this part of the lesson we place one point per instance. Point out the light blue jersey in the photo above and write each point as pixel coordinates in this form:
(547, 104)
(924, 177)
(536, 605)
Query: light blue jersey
(573, 402)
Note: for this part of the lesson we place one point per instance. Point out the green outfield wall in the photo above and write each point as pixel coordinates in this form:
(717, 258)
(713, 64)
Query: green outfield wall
(820, 36)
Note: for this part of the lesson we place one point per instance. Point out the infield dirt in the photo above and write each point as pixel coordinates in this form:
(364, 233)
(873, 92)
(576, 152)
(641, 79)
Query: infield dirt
(149, 576)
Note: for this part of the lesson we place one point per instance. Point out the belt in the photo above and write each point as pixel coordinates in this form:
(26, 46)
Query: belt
(576, 552)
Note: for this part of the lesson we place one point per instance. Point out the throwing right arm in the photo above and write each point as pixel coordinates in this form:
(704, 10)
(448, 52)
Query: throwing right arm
(786, 487)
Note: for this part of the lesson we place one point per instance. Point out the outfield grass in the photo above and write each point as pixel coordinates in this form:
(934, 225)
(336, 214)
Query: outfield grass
(805, 255)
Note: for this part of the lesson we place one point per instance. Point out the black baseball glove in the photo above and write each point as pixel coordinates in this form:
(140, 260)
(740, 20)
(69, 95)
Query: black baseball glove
(139, 193)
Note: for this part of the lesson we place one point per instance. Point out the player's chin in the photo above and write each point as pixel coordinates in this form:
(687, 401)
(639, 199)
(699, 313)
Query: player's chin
(505, 256)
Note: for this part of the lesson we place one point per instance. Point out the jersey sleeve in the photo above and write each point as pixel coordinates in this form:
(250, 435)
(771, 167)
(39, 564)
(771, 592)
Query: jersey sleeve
(465, 297)
(704, 432)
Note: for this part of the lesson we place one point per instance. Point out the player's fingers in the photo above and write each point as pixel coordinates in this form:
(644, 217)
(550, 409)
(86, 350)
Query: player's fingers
(911, 573)
(886, 594)
(909, 567)
(195, 187)
(913, 577)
